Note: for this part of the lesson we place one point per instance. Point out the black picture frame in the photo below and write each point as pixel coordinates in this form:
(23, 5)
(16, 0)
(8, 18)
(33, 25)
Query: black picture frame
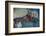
(6, 18)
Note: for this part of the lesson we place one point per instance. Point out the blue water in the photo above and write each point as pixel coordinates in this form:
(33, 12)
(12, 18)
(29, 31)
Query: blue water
(33, 23)
(25, 24)
(30, 24)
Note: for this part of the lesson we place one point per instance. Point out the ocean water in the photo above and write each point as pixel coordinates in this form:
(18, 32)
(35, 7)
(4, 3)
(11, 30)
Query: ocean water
(25, 24)
(33, 23)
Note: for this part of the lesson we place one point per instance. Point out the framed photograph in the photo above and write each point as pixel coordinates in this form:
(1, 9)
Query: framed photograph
(24, 17)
